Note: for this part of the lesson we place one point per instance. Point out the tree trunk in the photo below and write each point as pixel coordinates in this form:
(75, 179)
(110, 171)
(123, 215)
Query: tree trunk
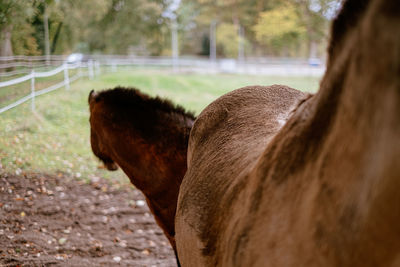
(6, 45)
(55, 39)
(5, 42)
(213, 41)
(240, 42)
(313, 49)
(46, 35)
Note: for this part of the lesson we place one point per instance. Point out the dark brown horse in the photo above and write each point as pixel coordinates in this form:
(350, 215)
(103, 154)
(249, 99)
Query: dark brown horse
(323, 190)
(147, 137)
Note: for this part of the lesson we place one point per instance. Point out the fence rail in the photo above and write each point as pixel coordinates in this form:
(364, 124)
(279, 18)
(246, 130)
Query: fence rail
(259, 66)
(33, 58)
(34, 93)
(19, 65)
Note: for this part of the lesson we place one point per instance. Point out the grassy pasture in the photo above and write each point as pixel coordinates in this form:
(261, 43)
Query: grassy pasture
(55, 138)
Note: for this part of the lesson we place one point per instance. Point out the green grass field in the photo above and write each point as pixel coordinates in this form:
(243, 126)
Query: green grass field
(55, 138)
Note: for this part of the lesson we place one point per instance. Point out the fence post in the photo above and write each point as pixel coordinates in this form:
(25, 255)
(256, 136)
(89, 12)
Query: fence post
(90, 66)
(66, 76)
(80, 69)
(33, 90)
(97, 67)
(113, 66)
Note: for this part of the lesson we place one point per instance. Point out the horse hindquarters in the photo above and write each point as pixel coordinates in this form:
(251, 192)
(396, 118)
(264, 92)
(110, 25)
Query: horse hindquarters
(225, 143)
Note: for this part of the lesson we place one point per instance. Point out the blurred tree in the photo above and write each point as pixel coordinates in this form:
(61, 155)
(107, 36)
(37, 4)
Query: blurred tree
(315, 16)
(280, 28)
(15, 28)
(308, 26)
(71, 23)
(205, 45)
(142, 26)
(227, 40)
(239, 13)
(129, 23)
(23, 40)
(191, 37)
(110, 26)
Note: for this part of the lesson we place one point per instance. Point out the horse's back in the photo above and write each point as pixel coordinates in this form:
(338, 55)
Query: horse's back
(225, 143)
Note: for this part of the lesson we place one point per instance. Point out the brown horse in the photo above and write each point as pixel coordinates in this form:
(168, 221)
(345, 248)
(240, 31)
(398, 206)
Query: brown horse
(147, 137)
(323, 190)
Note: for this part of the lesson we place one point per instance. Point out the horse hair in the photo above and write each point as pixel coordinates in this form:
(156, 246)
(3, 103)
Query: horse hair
(132, 98)
(152, 117)
(348, 17)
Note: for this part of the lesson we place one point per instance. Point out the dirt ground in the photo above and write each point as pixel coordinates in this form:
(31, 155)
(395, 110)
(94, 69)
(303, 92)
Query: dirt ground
(49, 220)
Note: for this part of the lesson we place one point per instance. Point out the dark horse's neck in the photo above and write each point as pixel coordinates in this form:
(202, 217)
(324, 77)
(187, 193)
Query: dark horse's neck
(157, 166)
(148, 138)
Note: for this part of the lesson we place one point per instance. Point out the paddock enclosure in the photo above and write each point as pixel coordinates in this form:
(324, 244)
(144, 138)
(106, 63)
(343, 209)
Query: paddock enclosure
(299, 166)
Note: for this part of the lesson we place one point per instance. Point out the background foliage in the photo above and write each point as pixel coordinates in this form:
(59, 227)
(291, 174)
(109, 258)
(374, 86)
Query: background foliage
(269, 27)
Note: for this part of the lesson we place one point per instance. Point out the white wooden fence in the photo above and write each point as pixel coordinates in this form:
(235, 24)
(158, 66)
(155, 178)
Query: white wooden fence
(251, 66)
(34, 93)
(24, 64)
(257, 66)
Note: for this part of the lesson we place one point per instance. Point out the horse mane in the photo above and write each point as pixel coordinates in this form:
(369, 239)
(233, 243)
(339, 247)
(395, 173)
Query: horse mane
(152, 117)
(132, 98)
(347, 18)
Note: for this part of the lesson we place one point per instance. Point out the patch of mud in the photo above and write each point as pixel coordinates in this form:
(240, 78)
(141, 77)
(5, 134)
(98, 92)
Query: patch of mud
(47, 220)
